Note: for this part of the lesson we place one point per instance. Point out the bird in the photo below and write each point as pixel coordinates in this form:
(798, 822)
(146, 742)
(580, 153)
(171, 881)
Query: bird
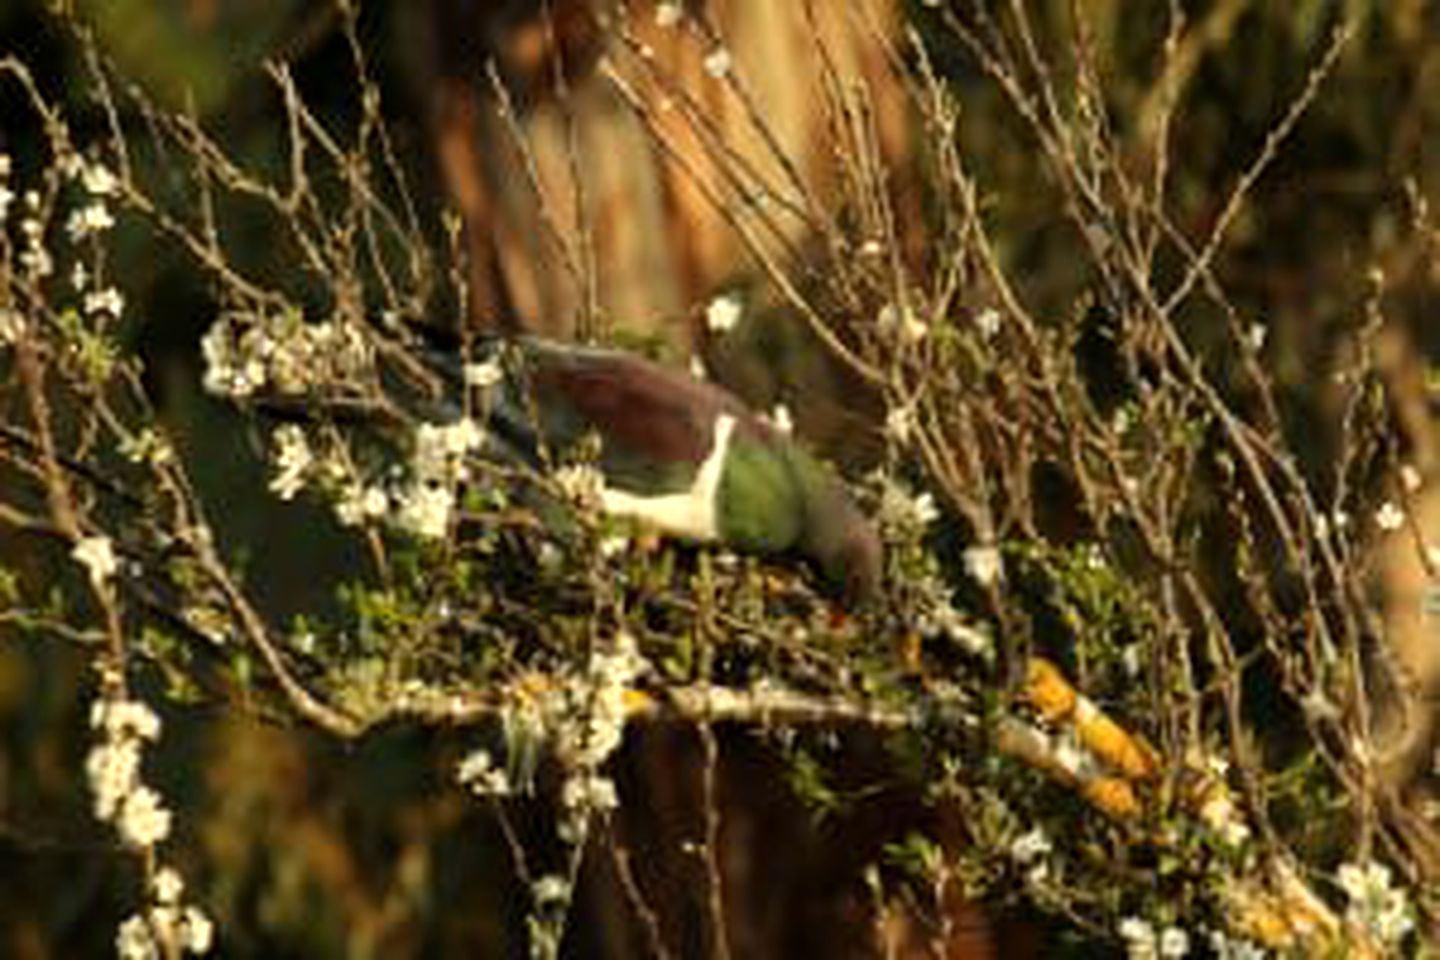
(682, 454)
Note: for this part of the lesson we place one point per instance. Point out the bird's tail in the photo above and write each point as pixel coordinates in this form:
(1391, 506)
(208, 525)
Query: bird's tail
(497, 394)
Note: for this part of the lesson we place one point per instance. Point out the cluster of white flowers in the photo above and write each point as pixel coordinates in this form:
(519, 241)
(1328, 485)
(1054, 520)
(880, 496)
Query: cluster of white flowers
(100, 184)
(668, 13)
(35, 259)
(1143, 942)
(169, 928)
(99, 303)
(1031, 850)
(113, 769)
(581, 484)
(245, 352)
(424, 506)
(360, 502)
(424, 509)
(936, 616)
(478, 772)
(1374, 904)
(293, 461)
(600, 695)
(903, 514)
(583, 717)
(420, 501)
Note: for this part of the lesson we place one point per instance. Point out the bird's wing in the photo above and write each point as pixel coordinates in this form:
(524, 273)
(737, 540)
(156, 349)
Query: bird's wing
(657, 425)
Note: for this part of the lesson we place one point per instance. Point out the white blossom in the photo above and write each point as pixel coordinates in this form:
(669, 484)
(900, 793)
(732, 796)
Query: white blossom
(590, 793)
(580, 483)
(903, 511)
(1174, 943)
(983, 564)
(113, 770)
(359, 502)
(479, 772)
(1374, 904)
(108, 301)
(293, 461)
(668, 13)
(197, 933)
(88, 221)
(900, 423)
(987, 321)
(1389, 517)
(97, 556)
(440, 449)
(424, 509)
(143, 821)
(718, 62)
(98, 180)
(1030, 846)
(1139, 937)
(244, 352)
(228, 371)
(1410, 478)
(723, 313)
(169, 886)
(609, 677)
(134, 941)
(125, 718)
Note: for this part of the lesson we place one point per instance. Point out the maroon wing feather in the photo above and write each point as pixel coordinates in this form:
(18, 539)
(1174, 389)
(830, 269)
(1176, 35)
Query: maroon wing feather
(639, 406)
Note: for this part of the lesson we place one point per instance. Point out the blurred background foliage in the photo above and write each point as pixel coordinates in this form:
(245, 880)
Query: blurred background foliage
(302, 847)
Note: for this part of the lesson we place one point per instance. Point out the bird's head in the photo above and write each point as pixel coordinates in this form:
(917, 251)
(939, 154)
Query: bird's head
(843, 543)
